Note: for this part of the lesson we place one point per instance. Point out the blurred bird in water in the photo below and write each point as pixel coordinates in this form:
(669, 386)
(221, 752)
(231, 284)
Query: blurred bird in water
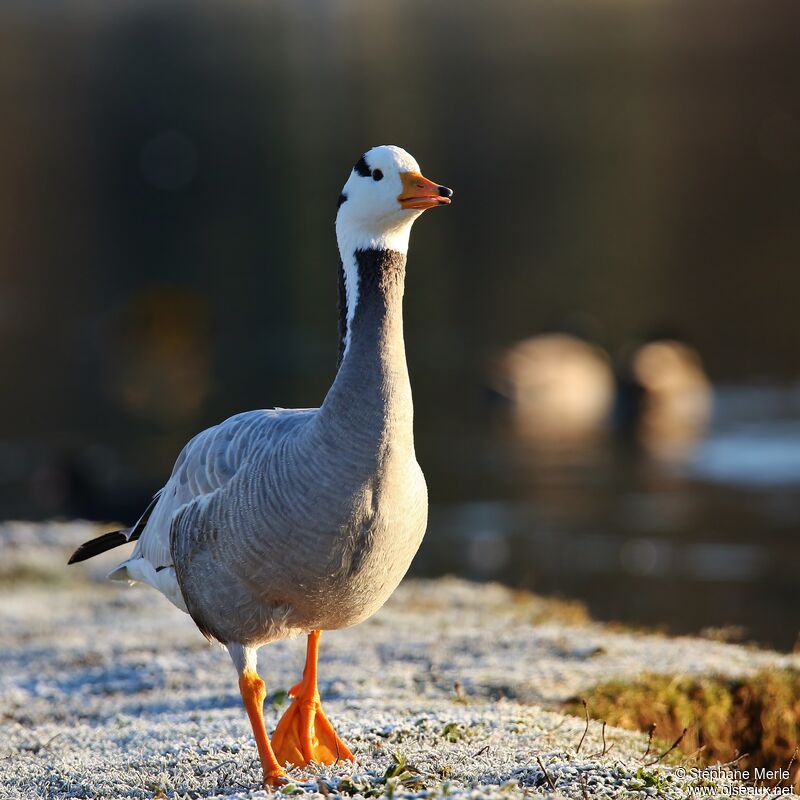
(559, 388)
(665, 398)
(281, 522)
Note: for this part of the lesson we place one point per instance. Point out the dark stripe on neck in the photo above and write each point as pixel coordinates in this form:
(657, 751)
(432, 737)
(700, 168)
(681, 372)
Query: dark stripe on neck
(342, 315)
(379, 272)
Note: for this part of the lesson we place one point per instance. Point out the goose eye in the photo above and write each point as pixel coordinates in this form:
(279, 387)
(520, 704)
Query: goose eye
(377, 175)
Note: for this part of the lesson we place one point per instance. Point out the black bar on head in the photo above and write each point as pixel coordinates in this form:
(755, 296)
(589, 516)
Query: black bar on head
(361, 168)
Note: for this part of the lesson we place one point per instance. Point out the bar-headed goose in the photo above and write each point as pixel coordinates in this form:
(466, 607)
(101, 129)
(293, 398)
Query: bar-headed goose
(280, 522)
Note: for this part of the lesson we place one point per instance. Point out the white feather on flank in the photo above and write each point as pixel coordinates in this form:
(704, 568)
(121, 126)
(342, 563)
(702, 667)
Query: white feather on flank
(164, 579)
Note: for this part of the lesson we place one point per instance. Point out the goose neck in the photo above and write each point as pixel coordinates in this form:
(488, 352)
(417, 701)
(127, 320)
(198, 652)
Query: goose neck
(372, 387)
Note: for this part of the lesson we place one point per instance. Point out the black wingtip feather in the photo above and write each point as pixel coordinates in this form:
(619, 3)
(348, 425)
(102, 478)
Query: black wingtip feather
(108, 541)
(94, 547)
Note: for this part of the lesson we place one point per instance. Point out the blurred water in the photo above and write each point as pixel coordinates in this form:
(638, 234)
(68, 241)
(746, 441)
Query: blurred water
(710, 540)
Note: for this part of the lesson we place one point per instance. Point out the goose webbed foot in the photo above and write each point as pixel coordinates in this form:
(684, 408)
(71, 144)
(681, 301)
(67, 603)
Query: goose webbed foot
(304, 733)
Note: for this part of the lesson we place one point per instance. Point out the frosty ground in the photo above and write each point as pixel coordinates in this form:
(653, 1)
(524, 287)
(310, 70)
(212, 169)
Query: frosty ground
(110, 692)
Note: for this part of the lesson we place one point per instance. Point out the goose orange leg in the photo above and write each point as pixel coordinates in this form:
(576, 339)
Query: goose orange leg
(253, 694)
(304, 733)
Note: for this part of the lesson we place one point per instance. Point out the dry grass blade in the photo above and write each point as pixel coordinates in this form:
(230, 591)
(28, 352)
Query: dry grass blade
(546, 774)
(650, 734)
(675, 744)
(732, 761)
(606, 748)
(789, 766)
(586, 729)
(697, 753)
(792, 760)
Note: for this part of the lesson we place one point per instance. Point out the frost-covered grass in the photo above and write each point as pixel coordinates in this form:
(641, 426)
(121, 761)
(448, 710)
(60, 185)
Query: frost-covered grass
(110, 692)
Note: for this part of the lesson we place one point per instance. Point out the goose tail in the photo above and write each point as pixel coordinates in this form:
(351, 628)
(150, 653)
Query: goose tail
(108, 541)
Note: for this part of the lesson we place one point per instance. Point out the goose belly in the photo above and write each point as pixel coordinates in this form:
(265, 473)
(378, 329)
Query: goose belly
(368, 555)
(327, 577)
(372, 561)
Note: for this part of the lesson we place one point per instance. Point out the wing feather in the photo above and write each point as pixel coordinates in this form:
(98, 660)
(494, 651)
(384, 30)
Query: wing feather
(206, 465)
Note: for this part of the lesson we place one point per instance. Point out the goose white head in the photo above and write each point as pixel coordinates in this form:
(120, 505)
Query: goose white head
(382, 198)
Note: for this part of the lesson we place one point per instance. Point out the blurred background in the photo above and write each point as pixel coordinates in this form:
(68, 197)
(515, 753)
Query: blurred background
(602, 330)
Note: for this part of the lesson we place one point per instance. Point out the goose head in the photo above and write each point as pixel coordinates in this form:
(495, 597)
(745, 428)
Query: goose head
(384, 195)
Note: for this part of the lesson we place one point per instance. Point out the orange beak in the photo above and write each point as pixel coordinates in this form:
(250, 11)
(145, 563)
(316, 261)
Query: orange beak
(420, 193)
